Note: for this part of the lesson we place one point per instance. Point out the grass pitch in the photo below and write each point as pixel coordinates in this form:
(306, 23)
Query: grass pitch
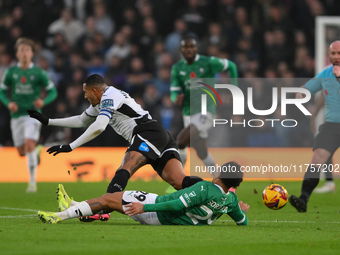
(269, 232)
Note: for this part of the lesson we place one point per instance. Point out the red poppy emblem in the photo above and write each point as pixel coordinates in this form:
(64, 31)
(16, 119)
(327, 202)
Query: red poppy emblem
(192, 75)
(23, 79)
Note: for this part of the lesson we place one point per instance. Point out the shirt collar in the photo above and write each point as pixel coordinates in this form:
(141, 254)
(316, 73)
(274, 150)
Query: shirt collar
(196, 58)
(223, 192)
(29, 67)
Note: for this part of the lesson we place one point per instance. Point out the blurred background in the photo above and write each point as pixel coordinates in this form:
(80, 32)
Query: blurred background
(134, 43)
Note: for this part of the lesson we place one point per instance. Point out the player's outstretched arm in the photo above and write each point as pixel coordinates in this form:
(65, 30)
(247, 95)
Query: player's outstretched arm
(134, 208)
(137, 208)
(93, 131)
(239, 214)
(77, 121)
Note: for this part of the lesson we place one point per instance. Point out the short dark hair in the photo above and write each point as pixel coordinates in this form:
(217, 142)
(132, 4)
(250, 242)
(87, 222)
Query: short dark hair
(231, 174)
(189, 36)
(94, 79)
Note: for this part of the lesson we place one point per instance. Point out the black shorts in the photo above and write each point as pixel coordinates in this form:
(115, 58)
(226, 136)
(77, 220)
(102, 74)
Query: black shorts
(155, 143)
(328, 137)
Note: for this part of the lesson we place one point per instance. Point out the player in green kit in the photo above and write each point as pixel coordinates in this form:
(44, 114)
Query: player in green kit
(200, 204)
(196, 126)
(24, 82)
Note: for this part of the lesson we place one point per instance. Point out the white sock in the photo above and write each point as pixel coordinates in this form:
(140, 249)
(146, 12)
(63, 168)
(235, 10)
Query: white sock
(80, 209)
(32, 163)
(73, 203)
(183, 153)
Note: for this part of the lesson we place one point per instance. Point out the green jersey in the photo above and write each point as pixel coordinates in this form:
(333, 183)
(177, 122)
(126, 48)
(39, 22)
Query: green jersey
(200, 204)
(25, 87)
(202, 67)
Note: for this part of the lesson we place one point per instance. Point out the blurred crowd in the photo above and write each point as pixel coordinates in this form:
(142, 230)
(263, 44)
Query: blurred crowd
(134, 43)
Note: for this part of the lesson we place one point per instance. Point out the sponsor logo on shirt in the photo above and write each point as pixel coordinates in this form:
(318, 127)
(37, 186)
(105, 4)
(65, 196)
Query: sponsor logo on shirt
(107, 103)
(24, 89)
(143, 147)
(182, 73)
(187, 198)
(192, 194)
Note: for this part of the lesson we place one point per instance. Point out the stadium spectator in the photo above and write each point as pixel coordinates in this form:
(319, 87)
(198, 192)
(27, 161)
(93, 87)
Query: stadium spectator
(137, 77)
(90, 29)
(96, 65)
(226, 12)
(34, 19)
(172, 40)
(131, 19)
(151, 98)
(235, 30)
(116, 73)
(147, 39)
(71, 28)
(195, 16)
(103, 22)
(164, 113)
(121, 48)
(163, 81)
(214, 37)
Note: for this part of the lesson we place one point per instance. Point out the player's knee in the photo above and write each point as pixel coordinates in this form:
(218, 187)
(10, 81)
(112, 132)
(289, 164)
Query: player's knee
(320, 156)
(176, 184)
(30, 146)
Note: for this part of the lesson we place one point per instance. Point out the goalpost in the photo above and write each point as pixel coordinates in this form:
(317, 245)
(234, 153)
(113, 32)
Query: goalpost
(327, 30)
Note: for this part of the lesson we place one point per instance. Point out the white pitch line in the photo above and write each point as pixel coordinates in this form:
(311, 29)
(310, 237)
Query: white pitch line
(255, 221)
(18, 216)
(18, 209)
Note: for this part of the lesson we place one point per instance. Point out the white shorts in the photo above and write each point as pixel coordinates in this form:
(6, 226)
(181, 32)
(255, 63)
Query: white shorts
(202, 122)
(147, 218)
(23, 128)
